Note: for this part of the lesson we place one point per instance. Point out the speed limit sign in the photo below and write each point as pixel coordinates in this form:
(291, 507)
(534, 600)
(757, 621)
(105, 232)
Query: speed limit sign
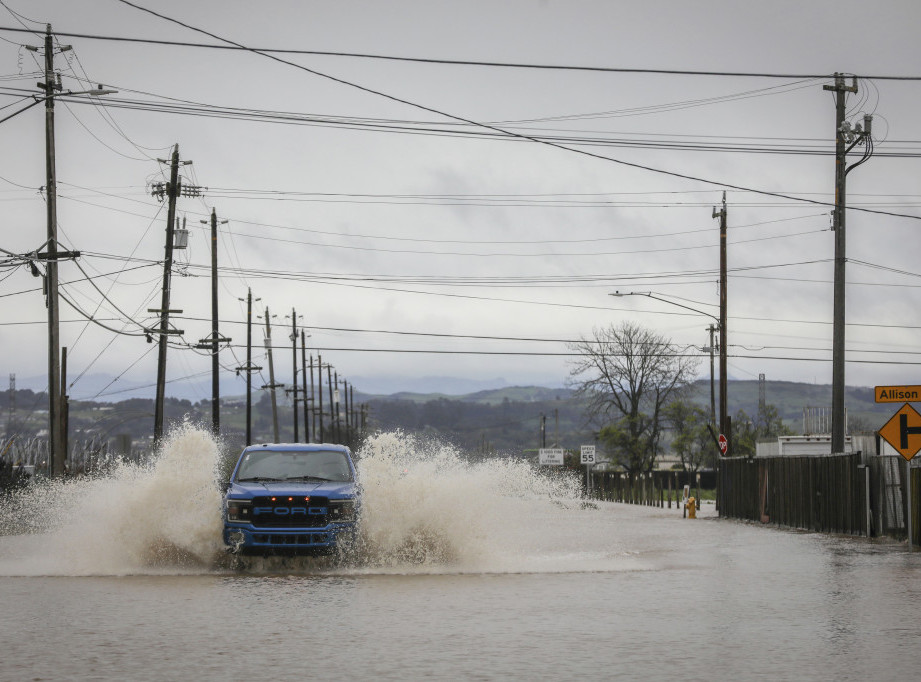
(588, 454)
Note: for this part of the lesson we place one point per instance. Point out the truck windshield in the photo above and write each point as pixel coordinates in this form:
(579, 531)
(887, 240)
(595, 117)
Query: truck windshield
(317, 465)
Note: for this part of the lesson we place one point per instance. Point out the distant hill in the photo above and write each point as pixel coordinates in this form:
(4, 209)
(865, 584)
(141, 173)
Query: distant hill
(525, 394)
(506, 419)
(790, 397)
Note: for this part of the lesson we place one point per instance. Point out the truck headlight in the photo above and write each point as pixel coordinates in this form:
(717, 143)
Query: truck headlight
(239, 510)
(341, 510)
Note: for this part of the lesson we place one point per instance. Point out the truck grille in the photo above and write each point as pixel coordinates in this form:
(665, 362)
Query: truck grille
(294, 539)
(283, 512)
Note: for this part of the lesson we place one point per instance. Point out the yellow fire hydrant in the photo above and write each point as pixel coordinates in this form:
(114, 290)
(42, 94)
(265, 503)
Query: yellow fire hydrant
(691, 507)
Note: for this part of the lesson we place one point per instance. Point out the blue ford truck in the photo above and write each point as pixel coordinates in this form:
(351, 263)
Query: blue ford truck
(291, 498)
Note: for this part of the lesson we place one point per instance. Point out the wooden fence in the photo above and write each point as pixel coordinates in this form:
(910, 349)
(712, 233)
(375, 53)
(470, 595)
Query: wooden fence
(84, 455)
(821, 493)
(654, 489)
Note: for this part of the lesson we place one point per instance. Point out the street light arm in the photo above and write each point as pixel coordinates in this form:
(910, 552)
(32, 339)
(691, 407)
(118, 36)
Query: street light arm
(649, 294)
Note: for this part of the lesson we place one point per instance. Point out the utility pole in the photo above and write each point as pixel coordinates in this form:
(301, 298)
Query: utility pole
(556, 432)
(348, 421)
(313, 405)
(271, 385)
(56, 455)
(712, 396)
(52, 88)
(172, 191)
(249, 368)
(724, 426)
(844, 134)
(329, 382)
(338, 408)
(216, 337)
(11, 405)
(354, 415)
(293, 337)
(65, 404)
(320, 393)
(307, 398)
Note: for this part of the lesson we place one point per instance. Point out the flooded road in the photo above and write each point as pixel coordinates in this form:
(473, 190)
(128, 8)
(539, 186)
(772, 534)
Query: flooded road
(475, 572)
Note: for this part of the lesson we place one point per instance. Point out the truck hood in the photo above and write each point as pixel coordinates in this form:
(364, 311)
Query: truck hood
(331, 489)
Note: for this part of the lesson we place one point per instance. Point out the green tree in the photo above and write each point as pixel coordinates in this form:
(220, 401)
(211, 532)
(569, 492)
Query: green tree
(692, 441)
(746, 432)
(627, 374)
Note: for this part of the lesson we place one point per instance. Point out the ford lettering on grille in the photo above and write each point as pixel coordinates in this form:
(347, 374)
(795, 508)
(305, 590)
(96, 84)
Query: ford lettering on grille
(293, 515)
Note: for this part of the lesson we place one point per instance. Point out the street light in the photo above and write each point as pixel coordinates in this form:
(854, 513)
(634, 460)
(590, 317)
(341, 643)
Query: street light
(723, 425)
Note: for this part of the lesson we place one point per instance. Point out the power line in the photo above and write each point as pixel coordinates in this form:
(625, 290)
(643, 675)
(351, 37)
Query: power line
(438, 112)
(507, 133)
(449, 62)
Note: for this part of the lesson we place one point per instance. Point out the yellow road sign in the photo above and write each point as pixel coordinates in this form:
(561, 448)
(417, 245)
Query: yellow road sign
(898, 394)
(903, 431)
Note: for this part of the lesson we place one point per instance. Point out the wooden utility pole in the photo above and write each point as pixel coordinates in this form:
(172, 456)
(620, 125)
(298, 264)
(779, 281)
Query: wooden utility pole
(213, 343)
(57, 446)
(724, 425)
(271, 385)
(338, 408)
(838, 426)
(329, 382)
(307, 398)
(294, 384)
(313, 403)
(172, 191)
(249, 368)
(65, 406)
(354, 440)
(348, 421)
(320, 394)
(56, 453)
(712, 392)
(215, 334)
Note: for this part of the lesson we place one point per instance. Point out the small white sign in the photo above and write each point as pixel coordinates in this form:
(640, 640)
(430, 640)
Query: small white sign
(588, 454)
(550, 456)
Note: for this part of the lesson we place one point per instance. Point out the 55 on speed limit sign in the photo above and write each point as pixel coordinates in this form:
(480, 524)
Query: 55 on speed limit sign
(588, 454)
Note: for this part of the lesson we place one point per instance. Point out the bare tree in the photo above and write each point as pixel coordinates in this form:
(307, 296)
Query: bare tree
(627, 374)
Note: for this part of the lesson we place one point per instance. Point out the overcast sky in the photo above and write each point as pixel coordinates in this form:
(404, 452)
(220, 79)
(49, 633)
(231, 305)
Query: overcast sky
(358, 190)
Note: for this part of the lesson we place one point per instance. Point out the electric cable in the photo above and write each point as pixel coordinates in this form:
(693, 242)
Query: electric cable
(461, 119)
(451, 62)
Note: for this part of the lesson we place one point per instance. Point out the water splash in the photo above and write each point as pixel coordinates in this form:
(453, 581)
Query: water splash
(425, 508)
(424, 503)
(136, 518)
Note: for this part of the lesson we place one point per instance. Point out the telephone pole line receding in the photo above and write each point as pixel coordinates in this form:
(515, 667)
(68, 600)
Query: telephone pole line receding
(320, 395)
(307, 398)
(271, 385)
(172, 191)
(846, 138)
(294, 384)
(724, 426)
(249, 368)
(213, 342)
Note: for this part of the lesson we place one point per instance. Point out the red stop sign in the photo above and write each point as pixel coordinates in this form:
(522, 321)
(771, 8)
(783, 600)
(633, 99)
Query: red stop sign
(724, 443)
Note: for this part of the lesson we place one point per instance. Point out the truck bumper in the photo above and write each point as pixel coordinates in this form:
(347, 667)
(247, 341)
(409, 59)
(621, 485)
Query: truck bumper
(263, 541)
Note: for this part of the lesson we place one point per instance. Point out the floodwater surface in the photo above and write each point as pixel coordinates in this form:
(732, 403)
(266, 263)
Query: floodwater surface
(469, 571)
